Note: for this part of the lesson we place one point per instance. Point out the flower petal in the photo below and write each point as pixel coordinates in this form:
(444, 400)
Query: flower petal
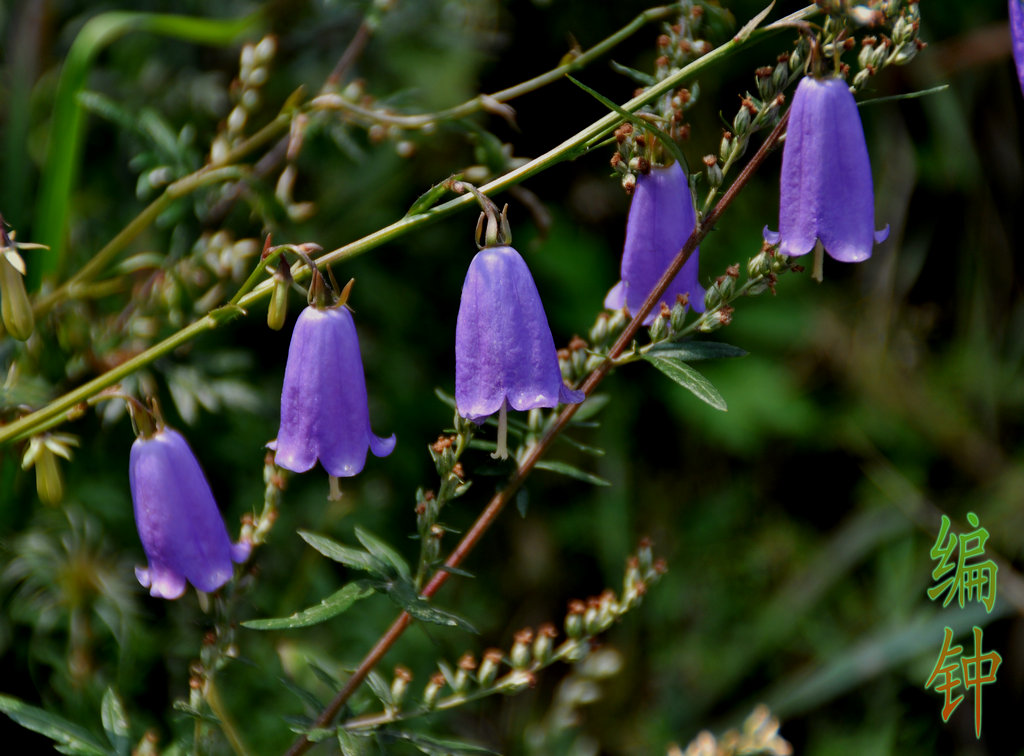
(661, 219)
(1017, 35)
(179, 524)
(503, 345)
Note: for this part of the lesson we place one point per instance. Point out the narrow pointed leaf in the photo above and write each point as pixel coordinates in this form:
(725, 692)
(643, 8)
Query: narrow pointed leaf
(380, 687)
(69, 737)
(434, 746)
(354, 558)
(695, 351)
(405, 595)
(332, 606)
(563, 468)
(115, 723)
(753, 23)
(431, 197)
(689, 379)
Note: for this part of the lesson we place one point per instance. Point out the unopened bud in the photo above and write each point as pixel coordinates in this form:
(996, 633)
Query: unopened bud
(599, 332)
(629, 183)
(400, 685)
(574, 619)
(489, 667)
(725, 148)
(714, 171)
(520, 656)
(14, 305)
(659, 328)
(677, 318)
(543, 643)
(277, 310)
(433, 690)
(741, 122)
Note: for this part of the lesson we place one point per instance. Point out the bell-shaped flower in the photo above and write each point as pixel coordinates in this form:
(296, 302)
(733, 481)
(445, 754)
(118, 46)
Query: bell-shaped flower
(1017, 35)
(825, 191)
(179, 525)
(504, 353)
(324, 410)
(661, 219)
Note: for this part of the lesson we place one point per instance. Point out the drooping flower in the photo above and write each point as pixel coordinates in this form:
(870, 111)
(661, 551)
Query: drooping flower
(324, 409)
(825, 189)
(1017, 35)
(661, 219)
(504, 353)
(179, 525)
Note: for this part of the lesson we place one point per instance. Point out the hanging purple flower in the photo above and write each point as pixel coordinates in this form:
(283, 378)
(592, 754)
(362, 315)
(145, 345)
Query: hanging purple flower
(179, 525)
(324, 409)
(504, 353)
(661, 219)
(825, 190)
(1017, 35)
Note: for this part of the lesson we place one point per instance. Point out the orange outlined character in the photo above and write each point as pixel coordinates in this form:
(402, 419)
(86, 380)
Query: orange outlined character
(969, 579)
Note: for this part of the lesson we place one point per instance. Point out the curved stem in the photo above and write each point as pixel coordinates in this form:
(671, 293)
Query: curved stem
(500, 499)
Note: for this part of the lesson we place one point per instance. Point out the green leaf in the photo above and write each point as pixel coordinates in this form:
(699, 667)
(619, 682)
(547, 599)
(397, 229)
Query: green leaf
(115, 723)
(431, 197)
(352, 744)
(354, 558)
(70, 738)
(695, 351)
(644, 79)
(384, 552)
(564, 468)
(689, 379)
(380, 687)
(418, 607)
(333, 605)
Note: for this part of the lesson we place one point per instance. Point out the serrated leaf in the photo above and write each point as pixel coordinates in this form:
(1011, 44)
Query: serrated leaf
(354, 558)
(384, 552)
(563, 468)
(689, 379)
(69, 737)
(405, 595)
(115, 723)
(332, 606)
(695, 351)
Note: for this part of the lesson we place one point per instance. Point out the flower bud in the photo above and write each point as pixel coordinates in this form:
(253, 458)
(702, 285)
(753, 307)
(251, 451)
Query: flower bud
(714, 171)
(277, 310)
(725, 148)
(489, 667)
(574, 619)
(521, 656)
(659, 328)
(433, 690)
(400, 685)
(677, 317)
(741, 122)
(14, 305)
(543, 643)
(599, 331)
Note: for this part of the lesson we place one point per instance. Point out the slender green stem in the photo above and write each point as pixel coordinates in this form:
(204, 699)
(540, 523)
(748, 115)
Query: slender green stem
(490, 101)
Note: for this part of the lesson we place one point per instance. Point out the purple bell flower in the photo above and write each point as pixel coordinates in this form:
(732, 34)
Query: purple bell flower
(825, 189)
(504, 353)
(661, 219)
(179, 525)
(1017, 35)
(324, 409)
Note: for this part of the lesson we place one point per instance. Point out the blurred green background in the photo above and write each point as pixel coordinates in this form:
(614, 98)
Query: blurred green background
(796, 526)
